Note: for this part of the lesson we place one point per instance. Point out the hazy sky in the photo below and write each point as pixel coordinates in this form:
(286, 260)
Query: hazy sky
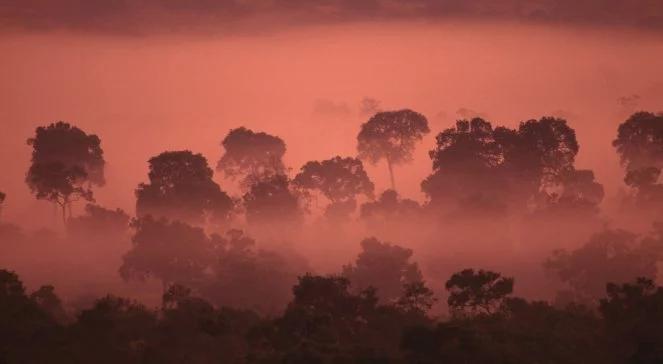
(181, 80)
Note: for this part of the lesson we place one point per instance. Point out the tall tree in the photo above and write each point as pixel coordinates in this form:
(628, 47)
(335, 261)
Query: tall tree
(392, 136)
(251, 156)
(181, 188)
(66, 162)
(339, 179)
(466, 161)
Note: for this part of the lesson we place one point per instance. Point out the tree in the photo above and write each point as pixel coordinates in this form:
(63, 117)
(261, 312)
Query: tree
(482, 169)
(3, 196)
(99, 220)
(114, 330)
(66, 162)
(384, 266)
(181, 188)
(389, 208)
(192, 330)
(576, 191)
(639, 143)
(609, 256)
(479, 292)
(172, 252)
(339, 179)
(49, 302)
(28, 334)
(251, 155)
(416, 298)
(324, 323)
(392, 136)
(243, 276)
(644, 180)
(633, 315)
(466, 162)
(272, 201)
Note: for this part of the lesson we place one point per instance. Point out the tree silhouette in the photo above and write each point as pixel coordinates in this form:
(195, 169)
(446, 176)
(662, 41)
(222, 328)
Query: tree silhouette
(384, 266)
(3, 197)
(66, 162)
(181, 188)
(480, 292)
(338, 179)
(172, 252)
(466, 162)
(272, 201)
(49, 302)
(27, 332)
(609, 256)
(416, 298)
(99, 220)
(243, 276)
(114, 330)
(251, 155)
(486, 169)
(633, 314)
(575, 191)
(389, 208)
(392, 136)
(639, 143)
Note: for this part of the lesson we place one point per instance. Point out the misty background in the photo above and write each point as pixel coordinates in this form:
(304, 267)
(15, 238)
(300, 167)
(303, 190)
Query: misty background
(146, 79)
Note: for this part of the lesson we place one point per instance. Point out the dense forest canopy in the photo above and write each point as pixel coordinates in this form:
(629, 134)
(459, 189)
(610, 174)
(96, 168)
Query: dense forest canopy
(227, 295)
(331, 181)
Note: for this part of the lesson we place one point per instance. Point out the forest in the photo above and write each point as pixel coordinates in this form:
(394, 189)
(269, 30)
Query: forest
(314, 265)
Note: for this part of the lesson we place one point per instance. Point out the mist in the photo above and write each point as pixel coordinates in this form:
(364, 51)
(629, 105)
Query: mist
(146, 91)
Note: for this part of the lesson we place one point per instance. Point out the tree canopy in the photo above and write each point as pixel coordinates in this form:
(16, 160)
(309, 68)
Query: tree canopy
(477, 292)
(340, 180)
(181, 187)
(251, 156)
(65, 163)
(272, 201)
(392, 136)
(383, 266)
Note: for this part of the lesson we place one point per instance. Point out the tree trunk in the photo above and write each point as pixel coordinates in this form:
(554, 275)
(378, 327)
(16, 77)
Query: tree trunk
(64, 214)
(391, 174)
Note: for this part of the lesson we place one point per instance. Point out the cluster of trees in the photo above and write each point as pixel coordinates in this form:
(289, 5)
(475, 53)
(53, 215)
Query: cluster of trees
(225, 298)
(477, 170)
(327, 320)
(483, 170)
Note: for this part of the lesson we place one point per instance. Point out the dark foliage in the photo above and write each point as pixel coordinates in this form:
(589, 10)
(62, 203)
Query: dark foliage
(65, 163)
(340, 180)
(181, 188)
(385, 267)
(251, 156)
(392, 136)
(272, 201)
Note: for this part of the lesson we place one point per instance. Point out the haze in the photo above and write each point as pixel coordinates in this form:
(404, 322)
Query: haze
(182, 81)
